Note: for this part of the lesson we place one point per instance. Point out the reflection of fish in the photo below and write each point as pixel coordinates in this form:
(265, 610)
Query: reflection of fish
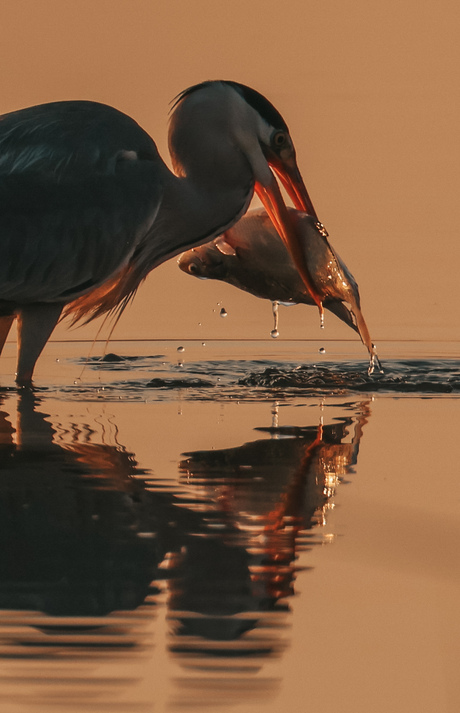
(252, 256)
(280, 477)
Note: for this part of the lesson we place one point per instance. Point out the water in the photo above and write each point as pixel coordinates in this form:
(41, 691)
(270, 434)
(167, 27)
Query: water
(246, 532)
(275, 311)
(218, 378)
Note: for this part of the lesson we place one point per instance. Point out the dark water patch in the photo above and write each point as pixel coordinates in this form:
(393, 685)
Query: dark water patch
(404, 377)
(112, 357)
(120, 362)
(190, 383)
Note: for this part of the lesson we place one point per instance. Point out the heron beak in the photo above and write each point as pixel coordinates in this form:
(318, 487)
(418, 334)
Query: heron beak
(286, 226)
(290, 177)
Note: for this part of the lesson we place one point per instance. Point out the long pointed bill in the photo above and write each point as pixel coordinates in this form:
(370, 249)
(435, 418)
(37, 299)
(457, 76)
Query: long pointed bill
(272, 200)
(290, 177)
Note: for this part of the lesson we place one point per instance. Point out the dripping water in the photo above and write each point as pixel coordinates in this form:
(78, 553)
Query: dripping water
(275, 309)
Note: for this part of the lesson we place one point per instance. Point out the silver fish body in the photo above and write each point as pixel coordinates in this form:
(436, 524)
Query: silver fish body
(252, 257)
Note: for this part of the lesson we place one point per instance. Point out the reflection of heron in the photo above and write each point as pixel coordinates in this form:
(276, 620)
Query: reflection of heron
(89, 208)
(70, 513)
(85, 537)
(262, 496)
(78, 553)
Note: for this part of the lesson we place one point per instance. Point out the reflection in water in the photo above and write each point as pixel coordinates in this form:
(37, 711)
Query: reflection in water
(259, 502)
(77, 558)
(71, 514)
(89, 543)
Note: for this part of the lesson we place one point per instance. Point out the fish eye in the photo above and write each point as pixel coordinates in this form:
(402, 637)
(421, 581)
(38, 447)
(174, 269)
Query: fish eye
(193, 269)
(279, 139)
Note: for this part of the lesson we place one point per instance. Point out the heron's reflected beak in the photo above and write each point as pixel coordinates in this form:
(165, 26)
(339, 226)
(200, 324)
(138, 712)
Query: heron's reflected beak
(284, 221)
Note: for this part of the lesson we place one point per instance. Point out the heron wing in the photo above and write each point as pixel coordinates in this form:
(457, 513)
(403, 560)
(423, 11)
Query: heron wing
(79, 189)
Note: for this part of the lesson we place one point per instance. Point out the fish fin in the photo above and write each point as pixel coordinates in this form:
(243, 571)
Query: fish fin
(224, 247)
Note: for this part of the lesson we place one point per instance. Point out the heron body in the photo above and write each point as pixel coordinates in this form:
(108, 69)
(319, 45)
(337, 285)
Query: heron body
(89, 208)
(251, 256)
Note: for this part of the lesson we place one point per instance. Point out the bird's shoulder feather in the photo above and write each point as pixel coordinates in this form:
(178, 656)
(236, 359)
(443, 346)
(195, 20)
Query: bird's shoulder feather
(66, 137)
(79, 189)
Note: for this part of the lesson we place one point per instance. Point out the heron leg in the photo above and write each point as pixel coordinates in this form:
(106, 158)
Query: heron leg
(5, 326)
(35, 324)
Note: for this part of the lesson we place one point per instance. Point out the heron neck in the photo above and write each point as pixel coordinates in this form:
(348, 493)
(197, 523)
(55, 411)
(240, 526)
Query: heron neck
(196, 208)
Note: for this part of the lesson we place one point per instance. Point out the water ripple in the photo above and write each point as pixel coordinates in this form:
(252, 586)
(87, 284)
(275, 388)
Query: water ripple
(255, 379)
(419, 376)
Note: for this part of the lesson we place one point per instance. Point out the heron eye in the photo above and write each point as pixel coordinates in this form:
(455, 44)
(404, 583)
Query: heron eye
(279, 139)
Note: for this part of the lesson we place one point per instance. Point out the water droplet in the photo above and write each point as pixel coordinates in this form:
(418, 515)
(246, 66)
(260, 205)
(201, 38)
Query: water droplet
(274, 333)
(321, 229)
(181, 349)
(322, 350)
(223, 312)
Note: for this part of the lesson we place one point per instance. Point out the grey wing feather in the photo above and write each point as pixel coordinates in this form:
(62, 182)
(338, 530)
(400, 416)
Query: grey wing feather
(79, 189)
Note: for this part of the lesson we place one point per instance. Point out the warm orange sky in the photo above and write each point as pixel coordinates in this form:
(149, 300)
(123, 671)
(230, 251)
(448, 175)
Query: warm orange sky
(369, 91)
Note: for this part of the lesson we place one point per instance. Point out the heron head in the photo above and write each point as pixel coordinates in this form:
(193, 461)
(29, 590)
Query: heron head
(246, 121)
(274, 157)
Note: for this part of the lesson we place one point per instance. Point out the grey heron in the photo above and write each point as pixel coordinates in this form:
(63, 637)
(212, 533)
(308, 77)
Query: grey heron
(89, 208)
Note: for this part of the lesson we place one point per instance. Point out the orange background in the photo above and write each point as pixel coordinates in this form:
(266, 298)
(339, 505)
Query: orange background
(369, 91)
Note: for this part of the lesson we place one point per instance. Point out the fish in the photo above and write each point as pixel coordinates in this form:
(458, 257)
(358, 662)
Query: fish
(252, 257)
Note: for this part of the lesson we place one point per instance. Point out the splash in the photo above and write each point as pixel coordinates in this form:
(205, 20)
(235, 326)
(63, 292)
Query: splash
(403, 377)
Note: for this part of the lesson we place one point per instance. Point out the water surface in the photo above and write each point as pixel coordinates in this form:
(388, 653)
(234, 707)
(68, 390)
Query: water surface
(228, 526)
